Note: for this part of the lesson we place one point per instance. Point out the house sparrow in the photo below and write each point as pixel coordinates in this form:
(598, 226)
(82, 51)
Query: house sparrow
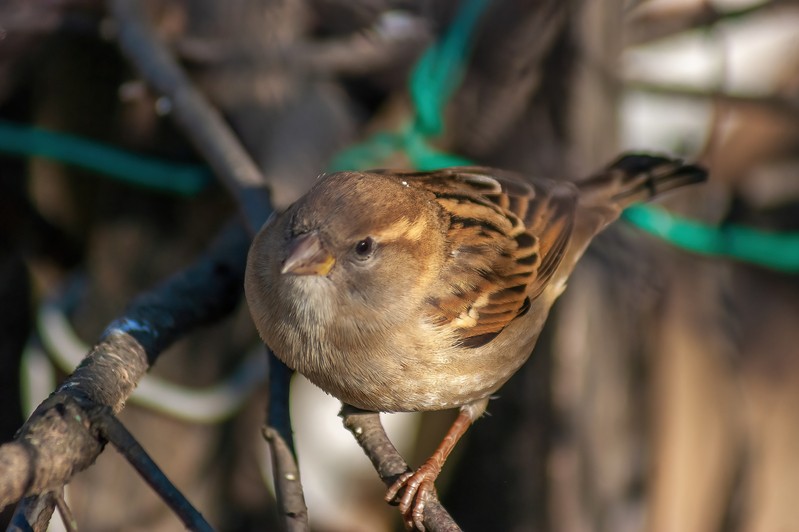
(407, 291)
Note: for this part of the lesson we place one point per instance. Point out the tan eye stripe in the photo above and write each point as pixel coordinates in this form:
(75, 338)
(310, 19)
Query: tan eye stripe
(402, 229)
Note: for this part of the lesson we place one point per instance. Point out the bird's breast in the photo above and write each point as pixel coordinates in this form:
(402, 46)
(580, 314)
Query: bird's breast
(420, 370)
(410, 365)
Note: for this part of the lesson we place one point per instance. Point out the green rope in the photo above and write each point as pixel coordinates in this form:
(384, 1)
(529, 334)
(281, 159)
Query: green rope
(181, 179)
(434, 79)
(441, 69)
(778, 251)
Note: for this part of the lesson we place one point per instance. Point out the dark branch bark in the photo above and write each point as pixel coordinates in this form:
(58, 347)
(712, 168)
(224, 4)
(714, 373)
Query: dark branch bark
(288, 486)
(33, 514)
(57, 441)
(388, 463)
(278, 433)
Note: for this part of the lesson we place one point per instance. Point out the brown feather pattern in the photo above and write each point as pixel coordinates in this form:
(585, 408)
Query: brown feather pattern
(506, 239)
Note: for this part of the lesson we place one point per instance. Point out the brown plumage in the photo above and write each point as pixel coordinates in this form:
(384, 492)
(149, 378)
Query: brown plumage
(406, 291)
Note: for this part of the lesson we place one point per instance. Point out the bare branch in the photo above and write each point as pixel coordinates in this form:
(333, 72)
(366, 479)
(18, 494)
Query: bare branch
(57, 440)
(388, 463)
(288, 487)
(200, 122)
(66, 514)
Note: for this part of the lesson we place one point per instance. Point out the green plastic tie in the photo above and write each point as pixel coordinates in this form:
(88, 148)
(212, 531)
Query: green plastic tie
(778, 251)
(441, 69)
(181, 179)
(434, 79)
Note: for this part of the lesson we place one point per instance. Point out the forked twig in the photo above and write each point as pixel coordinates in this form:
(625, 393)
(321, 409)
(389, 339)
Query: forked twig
(389, 464)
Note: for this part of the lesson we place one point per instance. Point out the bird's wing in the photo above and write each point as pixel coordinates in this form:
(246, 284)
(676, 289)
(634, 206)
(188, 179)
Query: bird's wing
(506, 238)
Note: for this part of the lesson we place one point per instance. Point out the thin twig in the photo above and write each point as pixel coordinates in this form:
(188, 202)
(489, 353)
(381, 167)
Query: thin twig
(288, 486)
(278, 409)
(200, 122)
(112, 430)
(66, 514)
(389, 464)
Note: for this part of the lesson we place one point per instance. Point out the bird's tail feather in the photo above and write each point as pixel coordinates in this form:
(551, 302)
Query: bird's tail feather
(637, 177)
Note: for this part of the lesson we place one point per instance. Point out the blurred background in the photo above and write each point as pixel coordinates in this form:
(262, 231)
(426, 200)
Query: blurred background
(662, 396)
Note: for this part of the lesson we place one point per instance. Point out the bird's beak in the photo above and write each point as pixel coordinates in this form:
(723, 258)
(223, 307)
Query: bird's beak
(307, 256)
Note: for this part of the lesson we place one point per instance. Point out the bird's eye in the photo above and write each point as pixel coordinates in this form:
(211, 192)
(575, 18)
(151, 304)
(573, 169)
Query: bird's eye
(365, 247)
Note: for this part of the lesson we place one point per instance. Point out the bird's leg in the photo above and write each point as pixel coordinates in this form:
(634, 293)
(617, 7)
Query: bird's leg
(420, 483)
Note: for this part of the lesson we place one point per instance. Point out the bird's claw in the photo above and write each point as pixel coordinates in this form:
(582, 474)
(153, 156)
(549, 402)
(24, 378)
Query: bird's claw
(419, 486)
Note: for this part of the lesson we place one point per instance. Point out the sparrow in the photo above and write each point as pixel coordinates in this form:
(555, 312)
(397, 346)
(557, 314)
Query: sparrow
(404, 291)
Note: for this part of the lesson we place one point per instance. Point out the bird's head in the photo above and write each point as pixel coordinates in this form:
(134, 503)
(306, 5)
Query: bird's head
(359, 247)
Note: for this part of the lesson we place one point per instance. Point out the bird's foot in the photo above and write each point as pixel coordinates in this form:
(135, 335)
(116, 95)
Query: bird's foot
(419, 488)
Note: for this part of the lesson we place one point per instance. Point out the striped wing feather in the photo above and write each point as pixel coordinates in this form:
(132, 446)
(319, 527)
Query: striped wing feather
(506, 239)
